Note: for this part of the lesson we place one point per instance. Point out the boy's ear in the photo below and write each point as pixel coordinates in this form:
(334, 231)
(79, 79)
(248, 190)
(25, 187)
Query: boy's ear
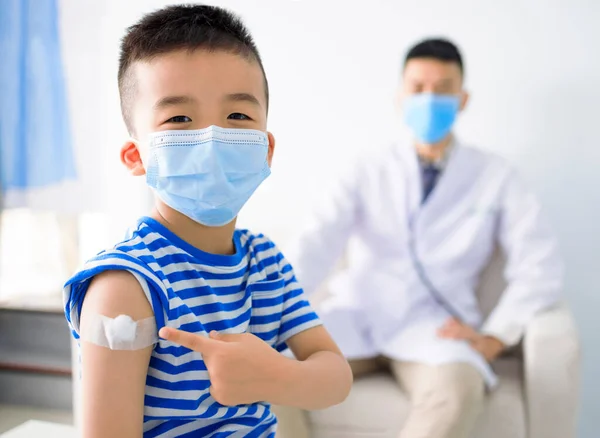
(271, 148)
(131, 158)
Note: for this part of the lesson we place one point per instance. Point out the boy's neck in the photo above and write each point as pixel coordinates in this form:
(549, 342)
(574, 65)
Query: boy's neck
(213, 240)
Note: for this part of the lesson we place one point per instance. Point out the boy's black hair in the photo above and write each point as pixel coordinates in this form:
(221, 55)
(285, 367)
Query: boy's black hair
(436, 48)
(181, 27)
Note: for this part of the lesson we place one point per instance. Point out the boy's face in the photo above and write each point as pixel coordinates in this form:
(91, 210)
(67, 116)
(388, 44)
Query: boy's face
(194, 90)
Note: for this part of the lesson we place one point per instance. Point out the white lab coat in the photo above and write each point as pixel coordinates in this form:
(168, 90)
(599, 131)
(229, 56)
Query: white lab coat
(378, 304)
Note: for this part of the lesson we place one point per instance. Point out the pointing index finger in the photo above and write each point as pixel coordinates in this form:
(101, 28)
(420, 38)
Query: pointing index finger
(199, 343)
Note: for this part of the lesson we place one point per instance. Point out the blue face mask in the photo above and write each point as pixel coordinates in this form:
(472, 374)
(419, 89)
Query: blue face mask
(431, 116)
(207, 174)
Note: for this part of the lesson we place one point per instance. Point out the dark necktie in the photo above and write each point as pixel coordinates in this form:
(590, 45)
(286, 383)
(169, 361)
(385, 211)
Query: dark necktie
(430, 175)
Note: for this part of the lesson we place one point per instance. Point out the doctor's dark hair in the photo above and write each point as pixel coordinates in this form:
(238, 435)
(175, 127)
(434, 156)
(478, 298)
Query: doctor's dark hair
(436, 48)
(181, 27)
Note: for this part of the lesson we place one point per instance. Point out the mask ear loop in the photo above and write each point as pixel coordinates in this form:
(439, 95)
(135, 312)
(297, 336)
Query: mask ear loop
(136, 142)
(151, 159)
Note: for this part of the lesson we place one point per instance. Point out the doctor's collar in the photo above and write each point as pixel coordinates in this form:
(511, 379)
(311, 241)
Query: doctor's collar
(441, 162)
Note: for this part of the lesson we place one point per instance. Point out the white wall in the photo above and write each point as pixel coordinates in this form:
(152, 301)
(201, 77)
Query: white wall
(533, 69)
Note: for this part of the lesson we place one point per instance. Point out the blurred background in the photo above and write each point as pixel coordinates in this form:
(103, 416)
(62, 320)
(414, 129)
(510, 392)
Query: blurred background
(532, 67)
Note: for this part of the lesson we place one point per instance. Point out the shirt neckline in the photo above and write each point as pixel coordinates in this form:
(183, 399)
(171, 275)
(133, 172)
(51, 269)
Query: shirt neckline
(210, 258)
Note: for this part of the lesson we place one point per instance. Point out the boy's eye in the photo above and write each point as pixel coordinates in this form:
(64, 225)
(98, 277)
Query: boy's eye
(238, 116)
(179, 119)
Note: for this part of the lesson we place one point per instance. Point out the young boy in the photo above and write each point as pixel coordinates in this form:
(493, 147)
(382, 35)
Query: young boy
(194, 97)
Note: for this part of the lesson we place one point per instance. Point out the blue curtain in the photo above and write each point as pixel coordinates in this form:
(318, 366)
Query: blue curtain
(34, 121)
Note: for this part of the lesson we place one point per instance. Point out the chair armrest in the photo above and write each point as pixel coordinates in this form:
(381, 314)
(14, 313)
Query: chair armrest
(552, 374)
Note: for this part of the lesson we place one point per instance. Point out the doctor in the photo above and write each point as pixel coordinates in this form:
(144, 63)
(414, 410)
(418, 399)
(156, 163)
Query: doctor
(418, 223)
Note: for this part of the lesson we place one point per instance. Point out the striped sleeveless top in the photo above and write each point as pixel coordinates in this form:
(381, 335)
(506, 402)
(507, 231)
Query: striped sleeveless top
(253, 291)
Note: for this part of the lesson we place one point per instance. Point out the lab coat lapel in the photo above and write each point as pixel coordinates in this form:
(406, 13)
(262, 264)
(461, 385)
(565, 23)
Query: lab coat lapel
(455, 180)
(414, 190)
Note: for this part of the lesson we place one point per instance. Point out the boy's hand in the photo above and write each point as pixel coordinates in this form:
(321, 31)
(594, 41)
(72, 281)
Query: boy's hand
(488, 346)
(240, 366)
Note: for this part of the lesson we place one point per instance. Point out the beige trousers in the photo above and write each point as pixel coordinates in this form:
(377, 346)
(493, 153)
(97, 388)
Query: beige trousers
(446, 399)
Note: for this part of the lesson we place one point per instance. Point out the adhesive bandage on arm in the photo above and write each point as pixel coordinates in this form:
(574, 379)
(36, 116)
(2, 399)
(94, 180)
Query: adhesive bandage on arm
(120, 333)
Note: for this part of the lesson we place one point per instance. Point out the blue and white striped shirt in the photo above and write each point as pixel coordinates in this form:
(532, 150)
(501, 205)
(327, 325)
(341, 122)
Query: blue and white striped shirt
(253, 291)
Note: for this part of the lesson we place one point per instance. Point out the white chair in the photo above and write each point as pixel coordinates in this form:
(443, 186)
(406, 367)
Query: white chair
(537, 396)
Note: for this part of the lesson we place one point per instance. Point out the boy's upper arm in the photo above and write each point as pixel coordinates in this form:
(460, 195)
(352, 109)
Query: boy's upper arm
(113, 381)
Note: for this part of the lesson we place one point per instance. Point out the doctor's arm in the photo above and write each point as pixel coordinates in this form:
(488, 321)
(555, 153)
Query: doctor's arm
(325, 234)
(113, 381)
(534, 269)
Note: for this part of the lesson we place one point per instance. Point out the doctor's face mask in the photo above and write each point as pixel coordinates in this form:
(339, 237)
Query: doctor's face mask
(432, 98)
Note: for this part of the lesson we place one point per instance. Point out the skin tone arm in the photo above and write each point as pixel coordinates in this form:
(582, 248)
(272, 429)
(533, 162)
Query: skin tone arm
(322, 375)
(244, 369)
(113, 381)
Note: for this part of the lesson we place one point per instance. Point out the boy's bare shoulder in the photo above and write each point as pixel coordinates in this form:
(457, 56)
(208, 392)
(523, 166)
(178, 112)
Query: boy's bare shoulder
(113, 293)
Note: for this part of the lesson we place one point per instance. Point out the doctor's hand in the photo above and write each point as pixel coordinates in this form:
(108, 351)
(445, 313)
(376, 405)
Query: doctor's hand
(488, 346)
(240, 366)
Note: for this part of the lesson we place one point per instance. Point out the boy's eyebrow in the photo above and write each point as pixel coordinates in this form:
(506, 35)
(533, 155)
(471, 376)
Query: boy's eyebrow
(172, 101)
(243, 97)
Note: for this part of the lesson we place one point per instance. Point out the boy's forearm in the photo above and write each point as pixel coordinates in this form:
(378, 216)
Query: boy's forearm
(322, 380)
